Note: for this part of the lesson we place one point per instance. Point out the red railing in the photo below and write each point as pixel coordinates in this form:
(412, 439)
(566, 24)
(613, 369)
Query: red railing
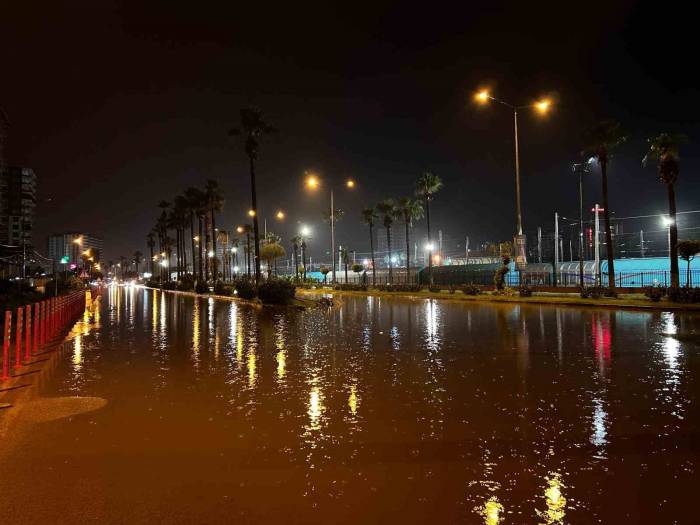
(49, 322)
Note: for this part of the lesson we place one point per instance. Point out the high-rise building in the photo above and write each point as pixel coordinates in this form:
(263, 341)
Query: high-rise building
(72, 245)
(17, 205)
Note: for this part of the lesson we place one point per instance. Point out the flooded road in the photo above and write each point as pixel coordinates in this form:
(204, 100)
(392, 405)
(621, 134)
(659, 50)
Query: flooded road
(377, 411)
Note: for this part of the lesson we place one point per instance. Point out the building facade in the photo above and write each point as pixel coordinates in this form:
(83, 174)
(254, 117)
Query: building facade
(17, 206)
(72, 245)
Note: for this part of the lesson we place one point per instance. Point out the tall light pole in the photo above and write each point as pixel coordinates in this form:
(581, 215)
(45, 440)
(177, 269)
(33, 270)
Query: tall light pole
(580, 169)
(542, 106)
(313, 182)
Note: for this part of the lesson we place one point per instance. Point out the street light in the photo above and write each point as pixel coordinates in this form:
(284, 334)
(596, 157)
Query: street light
(251, 213)
(668, 222)
(543, 106)
(280, 215)
(313, 182)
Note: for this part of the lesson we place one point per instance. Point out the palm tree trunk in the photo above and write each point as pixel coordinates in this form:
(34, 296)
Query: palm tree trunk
(201, 243)
(256, 232)
(248, 254)
(388, 243)
(673, 236)
(213, 243)
(371, 248)
(608, 232)
(192, 241)
(296, 262)
(408, 256)
(430, 243)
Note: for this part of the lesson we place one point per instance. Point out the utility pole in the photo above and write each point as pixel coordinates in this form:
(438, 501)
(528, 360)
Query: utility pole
(641, 242)
(596, 247)
(539, 244)
(466, 251)
(556, 248)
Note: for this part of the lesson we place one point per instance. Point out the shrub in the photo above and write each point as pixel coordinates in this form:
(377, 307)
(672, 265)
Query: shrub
(470, 289)
(357, 268)
(525, 291)
(223, 289)
(201, 287)
(245, 289)
(592, 292)
(435, 288)
(506, 292)
(398, 287)
(186, 283)
(351, 287)
(684, 294)
(451, 288)
(655, 293)
(276, 291)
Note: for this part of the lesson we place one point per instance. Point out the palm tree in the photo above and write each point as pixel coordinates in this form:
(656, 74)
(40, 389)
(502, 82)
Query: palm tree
(389, 212)
(247, 229)
(253, 127)
(296, 242)
(664, 149)
(270, 252)
(194, 199)
(151, 243)
(411, 210)
(215, 202)
(345, 259)
(368, 217)
(137, 261)
(600, 140)
(426, 188)
(688, 250)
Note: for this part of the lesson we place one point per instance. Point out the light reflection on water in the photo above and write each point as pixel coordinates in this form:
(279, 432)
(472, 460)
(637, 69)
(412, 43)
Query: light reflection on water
(502, 414)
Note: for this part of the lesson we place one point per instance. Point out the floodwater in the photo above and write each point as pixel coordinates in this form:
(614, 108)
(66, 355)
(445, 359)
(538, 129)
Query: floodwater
(379, 410)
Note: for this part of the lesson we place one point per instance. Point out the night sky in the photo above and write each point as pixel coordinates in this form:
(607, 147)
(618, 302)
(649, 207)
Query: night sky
(117, 106)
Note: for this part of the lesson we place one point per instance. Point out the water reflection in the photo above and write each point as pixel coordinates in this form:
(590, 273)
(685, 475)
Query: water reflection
(462, 413)
(555, 501)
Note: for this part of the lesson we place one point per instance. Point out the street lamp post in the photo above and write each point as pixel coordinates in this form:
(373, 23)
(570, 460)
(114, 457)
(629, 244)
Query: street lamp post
(543, 106)
(312, 182)
(580, 169)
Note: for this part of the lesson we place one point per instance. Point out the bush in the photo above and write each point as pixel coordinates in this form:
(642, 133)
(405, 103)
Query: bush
(655, 293)
(470, 289)
(276, 291)
(201, 287)
(435, 288)
(186, 283)
(592, 292)
(451, 288)
(506, 292)
(398, 287)
(525, 291)
(357, 268)
(352, 287)
(684, 294)
(223, 289)
(245, 289)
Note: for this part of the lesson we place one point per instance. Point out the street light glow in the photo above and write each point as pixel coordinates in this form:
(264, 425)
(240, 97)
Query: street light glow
(251, 213)
(210, 253)
(235, 269)
(429, 247)
(666, 221)
(312, 181)
(234, 249)
(280, 215)
(350, 183)
(239, 229)
(543, 105)
(305, 231)
(482, 96)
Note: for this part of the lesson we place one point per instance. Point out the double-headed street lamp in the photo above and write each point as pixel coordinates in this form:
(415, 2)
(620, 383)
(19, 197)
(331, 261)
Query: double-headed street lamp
(313, 183)
(542, 106)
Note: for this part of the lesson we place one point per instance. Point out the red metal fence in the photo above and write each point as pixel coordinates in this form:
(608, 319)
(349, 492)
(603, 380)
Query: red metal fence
(28, 334)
